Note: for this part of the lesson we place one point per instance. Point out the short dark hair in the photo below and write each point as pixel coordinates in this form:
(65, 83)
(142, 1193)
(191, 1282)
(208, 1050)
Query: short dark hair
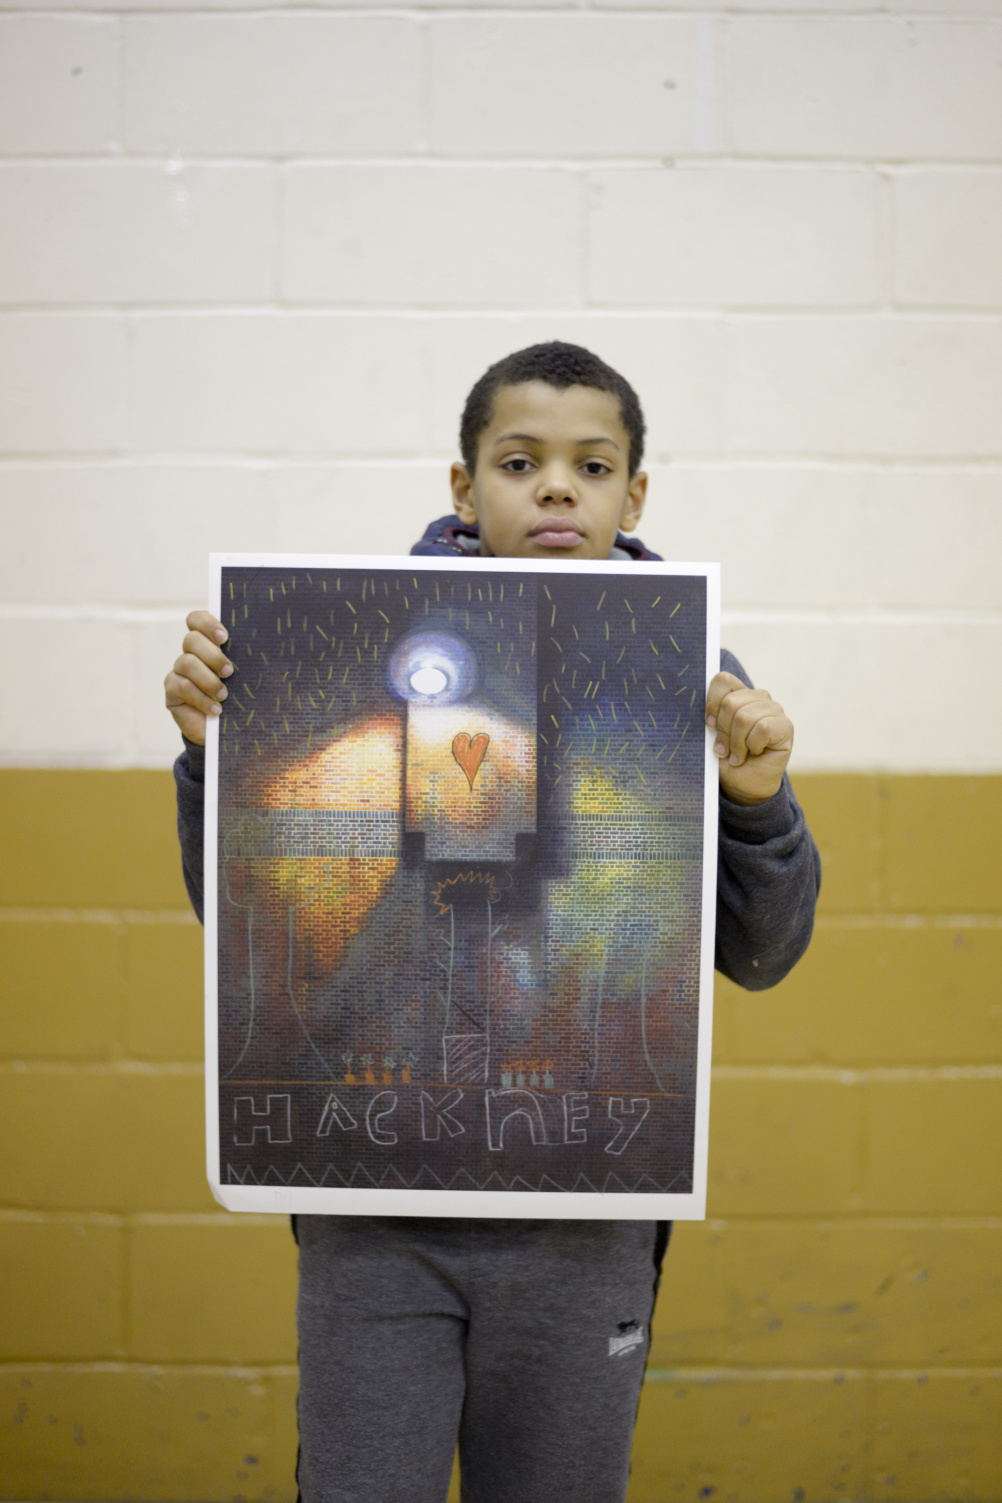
(560, 365)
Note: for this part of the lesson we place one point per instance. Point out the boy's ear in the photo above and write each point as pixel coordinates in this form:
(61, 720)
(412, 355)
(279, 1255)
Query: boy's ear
(633, 508)
(462, 493)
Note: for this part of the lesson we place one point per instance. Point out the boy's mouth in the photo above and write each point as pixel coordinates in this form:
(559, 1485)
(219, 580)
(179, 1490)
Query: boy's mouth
(556, 534)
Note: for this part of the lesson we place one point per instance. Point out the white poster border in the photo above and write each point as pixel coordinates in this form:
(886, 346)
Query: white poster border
(569, 1205)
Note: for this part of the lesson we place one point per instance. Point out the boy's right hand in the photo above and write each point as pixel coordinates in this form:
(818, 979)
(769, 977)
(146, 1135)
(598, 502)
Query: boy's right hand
(194, 687)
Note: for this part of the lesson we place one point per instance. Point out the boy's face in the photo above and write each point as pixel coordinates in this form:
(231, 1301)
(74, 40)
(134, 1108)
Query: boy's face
(552, 478)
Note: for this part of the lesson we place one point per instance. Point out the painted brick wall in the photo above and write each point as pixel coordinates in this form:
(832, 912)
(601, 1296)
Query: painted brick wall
(834, 1325)
(251, 258)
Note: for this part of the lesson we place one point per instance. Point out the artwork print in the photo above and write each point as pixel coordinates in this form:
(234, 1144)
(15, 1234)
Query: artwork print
(461, 842)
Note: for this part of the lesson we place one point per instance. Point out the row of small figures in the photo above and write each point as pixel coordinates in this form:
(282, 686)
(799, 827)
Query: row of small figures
(516, 1074)
(406, 1064)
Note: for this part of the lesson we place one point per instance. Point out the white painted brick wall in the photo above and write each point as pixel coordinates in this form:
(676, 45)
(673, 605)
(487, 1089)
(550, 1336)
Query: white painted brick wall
(253, 255)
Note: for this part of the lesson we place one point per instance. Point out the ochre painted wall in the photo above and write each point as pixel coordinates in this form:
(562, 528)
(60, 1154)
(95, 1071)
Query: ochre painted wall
(834, 1330)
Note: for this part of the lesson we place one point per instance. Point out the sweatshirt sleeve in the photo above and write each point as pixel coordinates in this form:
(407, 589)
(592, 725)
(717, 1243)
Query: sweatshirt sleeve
(768, 879)
(189, 780)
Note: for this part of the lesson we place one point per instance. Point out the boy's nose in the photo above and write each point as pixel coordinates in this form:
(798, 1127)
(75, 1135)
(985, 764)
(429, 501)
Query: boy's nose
(556, 484)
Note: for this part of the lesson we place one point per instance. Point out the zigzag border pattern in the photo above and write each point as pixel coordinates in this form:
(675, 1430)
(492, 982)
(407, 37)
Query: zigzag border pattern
(427, 1179)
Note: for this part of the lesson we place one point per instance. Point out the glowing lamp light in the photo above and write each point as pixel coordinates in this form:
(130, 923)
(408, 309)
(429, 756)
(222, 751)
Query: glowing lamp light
(432, 667)
(428, 681)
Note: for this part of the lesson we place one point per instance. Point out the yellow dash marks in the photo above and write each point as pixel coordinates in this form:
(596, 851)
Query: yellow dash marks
(676, 608)
(675, 644)
(348, 602)
(654, 649)
(600, 599)
(655, 601)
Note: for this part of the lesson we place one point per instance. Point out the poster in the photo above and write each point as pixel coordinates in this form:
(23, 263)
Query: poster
(460, 887)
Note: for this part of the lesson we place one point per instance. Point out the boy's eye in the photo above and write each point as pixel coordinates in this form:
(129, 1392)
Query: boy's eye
(596, 467)
(518, 465)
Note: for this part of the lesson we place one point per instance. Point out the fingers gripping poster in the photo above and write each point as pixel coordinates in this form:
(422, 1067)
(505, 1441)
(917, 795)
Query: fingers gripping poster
(460, 890)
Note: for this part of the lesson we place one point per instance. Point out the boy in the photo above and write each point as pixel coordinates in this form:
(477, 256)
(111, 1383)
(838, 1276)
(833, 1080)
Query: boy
(416, 1332)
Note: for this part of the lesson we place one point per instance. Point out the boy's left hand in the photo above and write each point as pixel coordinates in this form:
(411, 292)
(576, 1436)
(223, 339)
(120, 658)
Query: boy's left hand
(754, 739)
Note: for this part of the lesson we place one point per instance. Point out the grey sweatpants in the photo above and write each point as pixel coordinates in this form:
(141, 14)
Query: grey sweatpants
(523, 1340)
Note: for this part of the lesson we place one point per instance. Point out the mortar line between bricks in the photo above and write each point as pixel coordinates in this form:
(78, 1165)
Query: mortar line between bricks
(910, 922)
(711, 1375)
(846, 314)
(675, 460)
(426, 159)
(110, 1068)
(136, 916)
(434, 460)
(243, 1371)
(779, 616)
(857, 1075)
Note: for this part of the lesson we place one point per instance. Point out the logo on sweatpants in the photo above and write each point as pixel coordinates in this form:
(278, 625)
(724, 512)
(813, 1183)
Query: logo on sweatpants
(630, 1335)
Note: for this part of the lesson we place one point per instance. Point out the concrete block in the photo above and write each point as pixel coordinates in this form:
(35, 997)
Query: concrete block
(95, 839)
(216, 1292)
(132, 233)
(833, 676)
(756, 1438)
(276, 85)
(732, 237)
(843, 814)
(936, 1435)
(691, 1316)
(884, 994)
(278, 382)
(431, 235)
(944, 100)
(932, 1146)
(784, 535)
(58, 384)
(126, 531)
(809, 87)
(943, 837)
(354, 508)
(57, 84)
(134, 1431)
(279, 1464)
(767, 1139)
(587, 85)
(886, 387)
(114, 1141)
(61, 988)
(866, 86)
(66, 723)
(932, 538)
(829, 1294)
(64, 1296)
(164, 991)
(946, 225)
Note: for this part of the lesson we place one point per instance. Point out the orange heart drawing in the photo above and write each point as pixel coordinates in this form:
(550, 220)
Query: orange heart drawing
(469, 754)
